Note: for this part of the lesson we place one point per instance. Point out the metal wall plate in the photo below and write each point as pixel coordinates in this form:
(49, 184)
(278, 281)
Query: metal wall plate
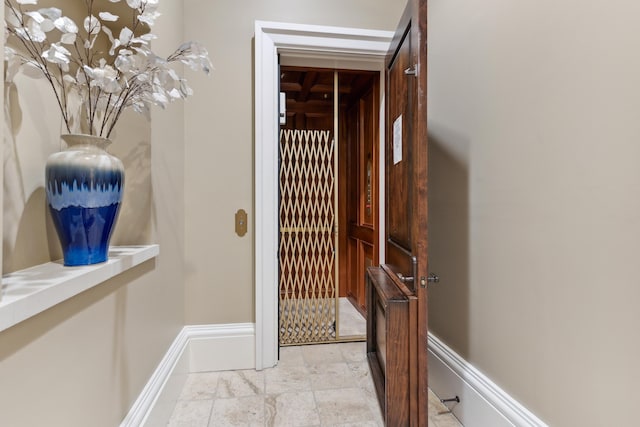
(241, 222)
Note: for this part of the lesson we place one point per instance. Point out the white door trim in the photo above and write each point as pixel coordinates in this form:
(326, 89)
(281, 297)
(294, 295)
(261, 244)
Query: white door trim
(347, 48)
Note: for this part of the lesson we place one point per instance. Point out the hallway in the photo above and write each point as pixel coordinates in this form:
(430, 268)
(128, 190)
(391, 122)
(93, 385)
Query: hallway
(313, 385)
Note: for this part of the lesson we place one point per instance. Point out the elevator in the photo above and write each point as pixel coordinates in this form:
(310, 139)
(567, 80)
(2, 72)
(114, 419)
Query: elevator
(328, 202)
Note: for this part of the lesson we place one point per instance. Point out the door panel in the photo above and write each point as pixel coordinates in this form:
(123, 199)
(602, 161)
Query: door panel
(398, 288)
(361, 257)
(352, 283)
(399, 111)
(362, 217)
(366, 260)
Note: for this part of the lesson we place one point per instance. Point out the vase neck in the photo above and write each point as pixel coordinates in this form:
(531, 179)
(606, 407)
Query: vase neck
(73, 139)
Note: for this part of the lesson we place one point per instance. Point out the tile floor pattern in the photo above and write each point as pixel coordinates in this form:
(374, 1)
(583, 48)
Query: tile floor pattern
(313, 385)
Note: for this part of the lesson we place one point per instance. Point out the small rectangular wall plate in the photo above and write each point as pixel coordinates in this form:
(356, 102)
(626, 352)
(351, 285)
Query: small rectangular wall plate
(283, 108)
(241, 222)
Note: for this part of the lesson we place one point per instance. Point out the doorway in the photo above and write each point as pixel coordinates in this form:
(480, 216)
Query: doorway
(305, 45)
(328, 201)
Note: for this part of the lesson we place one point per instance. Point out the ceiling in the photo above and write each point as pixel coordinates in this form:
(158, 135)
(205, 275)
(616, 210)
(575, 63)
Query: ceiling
(311, 91)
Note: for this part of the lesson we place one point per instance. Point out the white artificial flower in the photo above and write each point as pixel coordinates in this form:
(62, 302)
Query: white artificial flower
(94, 86)
(35, 32)
(57, 54)
(139, 40)
(124, 62)
(195, 56)
(172, 73)
(52, 13)
(45, 24)
(185, 89)
(175, 93)
(11, 20)
(106, 16)
(125, 36)
(69, 79)
(148, 37)
(160, 98)
(68, 38)
(149, 17)
(35, 15)
(92, 25)
(115, 43)
(143, 50)
(66, 25)
(105, 77)
(141, 107)
(81, 77)
(88, 44)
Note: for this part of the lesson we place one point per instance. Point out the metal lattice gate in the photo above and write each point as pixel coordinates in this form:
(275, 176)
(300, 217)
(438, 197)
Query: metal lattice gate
(308, 236)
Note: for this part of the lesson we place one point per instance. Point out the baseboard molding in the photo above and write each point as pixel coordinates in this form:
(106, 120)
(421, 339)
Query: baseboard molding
(197, 348)
(163, 385)
(222, 347)
(482, 402)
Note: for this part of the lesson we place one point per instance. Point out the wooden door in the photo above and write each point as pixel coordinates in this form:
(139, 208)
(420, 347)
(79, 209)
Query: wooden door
(397, 290)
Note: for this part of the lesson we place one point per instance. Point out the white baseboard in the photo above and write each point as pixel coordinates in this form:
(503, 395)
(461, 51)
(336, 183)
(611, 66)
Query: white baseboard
(197, 348)
(482, 402)
(165, 385)
(222, 347)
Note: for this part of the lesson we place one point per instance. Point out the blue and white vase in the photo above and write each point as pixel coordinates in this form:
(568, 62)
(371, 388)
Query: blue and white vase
(84, 186)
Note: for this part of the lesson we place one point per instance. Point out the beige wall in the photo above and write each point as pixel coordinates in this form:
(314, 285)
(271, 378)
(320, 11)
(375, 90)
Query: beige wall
(84, 361)
(534, 228)
(219, 153)
(535, 215)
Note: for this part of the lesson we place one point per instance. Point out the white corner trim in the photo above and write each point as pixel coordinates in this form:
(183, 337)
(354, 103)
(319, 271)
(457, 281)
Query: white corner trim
(144, 404)
(482, 402)
(197, 348)
(341, 48)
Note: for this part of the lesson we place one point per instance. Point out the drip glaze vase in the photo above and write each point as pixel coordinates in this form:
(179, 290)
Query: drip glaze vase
(84, 187)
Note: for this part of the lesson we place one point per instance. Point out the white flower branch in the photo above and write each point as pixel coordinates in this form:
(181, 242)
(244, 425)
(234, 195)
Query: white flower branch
(92, 87)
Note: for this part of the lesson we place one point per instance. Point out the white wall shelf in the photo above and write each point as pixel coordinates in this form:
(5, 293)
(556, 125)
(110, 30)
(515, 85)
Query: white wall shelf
(28, 292)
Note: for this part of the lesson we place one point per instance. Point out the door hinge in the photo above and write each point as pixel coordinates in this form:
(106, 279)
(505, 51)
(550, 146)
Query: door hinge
(412, 71)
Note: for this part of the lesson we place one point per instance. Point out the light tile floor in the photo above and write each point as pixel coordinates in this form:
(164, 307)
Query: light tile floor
(313, 385)
(351, 322)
